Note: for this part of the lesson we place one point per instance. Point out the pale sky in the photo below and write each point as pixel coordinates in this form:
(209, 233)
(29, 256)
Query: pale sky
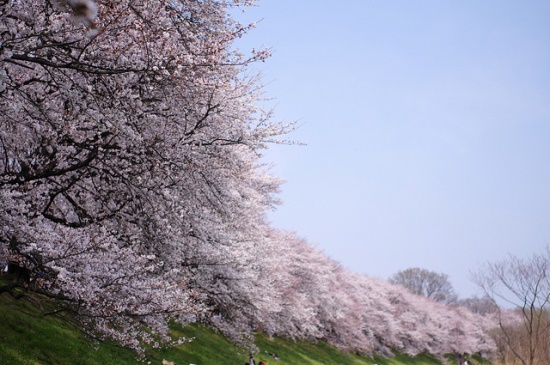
(427, 126)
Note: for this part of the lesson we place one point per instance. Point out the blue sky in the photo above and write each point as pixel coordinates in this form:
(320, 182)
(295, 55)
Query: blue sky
(427, 126)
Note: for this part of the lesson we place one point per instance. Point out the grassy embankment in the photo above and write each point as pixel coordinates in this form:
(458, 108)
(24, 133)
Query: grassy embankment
(29, 337)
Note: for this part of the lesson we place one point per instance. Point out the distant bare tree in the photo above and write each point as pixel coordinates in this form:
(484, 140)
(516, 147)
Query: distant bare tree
(427, 283)
(523, 284)
(484, 305)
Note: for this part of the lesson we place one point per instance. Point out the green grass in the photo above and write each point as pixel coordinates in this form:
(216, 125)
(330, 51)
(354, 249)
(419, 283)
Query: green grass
(319, 353)
(29, 337)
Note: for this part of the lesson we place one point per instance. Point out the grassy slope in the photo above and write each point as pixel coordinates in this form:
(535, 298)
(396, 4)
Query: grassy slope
(28, 337)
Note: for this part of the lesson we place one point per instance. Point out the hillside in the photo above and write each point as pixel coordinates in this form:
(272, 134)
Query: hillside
(29, 337)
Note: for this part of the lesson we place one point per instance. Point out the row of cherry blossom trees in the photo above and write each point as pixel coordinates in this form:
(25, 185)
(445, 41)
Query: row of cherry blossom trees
(132, 191)
(318, 299)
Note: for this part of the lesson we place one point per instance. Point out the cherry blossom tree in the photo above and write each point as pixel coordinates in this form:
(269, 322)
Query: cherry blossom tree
(129, 176)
